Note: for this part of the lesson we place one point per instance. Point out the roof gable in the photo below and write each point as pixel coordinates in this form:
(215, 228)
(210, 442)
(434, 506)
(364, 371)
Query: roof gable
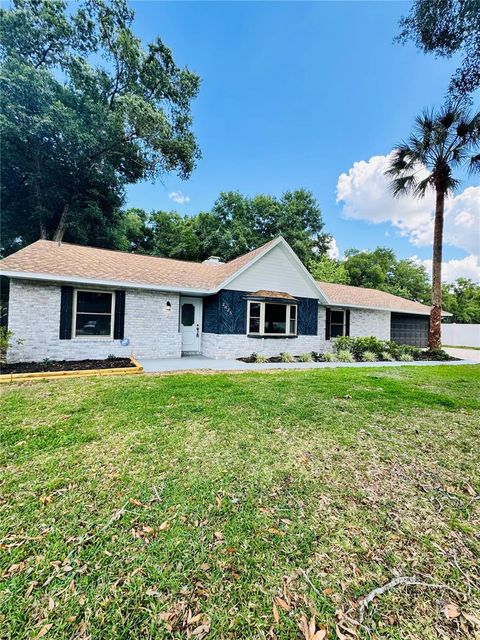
(277, 269)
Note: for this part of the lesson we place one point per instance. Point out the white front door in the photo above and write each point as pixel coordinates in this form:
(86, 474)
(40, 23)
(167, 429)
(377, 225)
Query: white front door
(191, 323)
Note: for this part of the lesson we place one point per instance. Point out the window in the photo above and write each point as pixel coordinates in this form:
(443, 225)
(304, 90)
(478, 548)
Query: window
(93, 313)
(337, 323)
(272, 318)
(188, 314)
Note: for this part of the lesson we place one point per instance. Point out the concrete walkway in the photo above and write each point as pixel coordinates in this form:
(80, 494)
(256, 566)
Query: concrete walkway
(468, 354)
(201, 363)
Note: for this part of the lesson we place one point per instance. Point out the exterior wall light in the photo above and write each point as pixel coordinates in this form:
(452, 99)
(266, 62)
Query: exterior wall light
(169, 306)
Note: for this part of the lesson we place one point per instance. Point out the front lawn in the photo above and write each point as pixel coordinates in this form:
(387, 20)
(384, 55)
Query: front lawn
(232, 505)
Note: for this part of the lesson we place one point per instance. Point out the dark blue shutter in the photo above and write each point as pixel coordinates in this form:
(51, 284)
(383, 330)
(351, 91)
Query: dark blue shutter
(347, 322)
(307, 324)
(119, 324)
(66, 311)
(327, 323)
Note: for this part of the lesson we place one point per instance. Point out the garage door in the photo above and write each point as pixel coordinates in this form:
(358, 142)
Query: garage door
(409, 329)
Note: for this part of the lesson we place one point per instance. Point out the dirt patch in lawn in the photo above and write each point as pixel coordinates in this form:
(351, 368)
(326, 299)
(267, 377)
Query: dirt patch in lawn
(65, 365)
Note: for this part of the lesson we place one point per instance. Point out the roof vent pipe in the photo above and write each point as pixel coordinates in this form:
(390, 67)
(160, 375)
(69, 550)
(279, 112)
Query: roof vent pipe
(213, 260)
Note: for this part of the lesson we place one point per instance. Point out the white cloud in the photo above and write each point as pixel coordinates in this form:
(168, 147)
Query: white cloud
(178, 197)
(468, 267)
(333, 251)
(366, 195)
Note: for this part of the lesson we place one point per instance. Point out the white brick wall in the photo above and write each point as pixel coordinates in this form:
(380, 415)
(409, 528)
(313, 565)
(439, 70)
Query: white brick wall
(363, 322)
(369, 322)
(236, 346)
(34, 317)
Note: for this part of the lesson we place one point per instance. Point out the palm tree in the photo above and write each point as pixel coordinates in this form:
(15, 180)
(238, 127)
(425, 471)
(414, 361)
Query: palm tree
(439, 143)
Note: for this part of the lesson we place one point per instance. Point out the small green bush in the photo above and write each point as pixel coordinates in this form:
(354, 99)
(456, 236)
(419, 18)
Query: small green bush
(437, 354)
(367, 343)
(329, 357)
(6, 341)
(405, 357)
(286, 357)
(259, 357)
(345, 356)
(387, 356)
(305, 357)
(343, 343)
(46, 362)
(369, 356)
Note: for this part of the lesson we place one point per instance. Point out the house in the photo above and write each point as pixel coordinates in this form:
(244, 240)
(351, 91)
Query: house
(75, 302)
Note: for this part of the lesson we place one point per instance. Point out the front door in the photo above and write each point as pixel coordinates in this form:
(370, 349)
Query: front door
(191, 324)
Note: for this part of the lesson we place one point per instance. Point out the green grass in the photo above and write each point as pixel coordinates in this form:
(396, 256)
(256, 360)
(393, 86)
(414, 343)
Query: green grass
(130, 506)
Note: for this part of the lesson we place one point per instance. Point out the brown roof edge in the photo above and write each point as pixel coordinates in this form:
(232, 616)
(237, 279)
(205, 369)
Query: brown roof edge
(363, 297)
(47, 260)
(263, 293)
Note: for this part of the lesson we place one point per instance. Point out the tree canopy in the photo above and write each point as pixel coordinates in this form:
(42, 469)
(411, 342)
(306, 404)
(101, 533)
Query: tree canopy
(235, 225)
(462, 298)
(325, 269)
(381, 269)
(85, 111)
(446, 27)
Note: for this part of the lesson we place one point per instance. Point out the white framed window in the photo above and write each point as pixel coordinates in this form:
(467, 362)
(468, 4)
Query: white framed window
(271, 318)
(93, 313)
(337, 323)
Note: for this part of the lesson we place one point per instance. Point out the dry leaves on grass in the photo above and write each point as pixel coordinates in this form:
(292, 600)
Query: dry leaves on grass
(43, 631)
(309, 629)
(181, 618)
(452, 611)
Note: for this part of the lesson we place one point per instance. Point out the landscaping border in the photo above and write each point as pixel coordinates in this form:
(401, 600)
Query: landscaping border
(6, 378)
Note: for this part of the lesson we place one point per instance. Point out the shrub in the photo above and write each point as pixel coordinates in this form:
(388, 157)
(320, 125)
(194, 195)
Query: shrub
(387, 356)
(415, 352)
(343, 343)
(367, 343)
(111, 356)
(329, 357)
(6, 342)
(369, 356)
(437, 354)
(46, 362)
(345, 356)
(397, 350)
(305, 357)
(286, 357)
(259, 357)
(405, 357)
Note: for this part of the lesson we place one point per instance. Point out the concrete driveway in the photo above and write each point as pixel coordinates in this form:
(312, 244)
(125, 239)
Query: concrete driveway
(464, 354)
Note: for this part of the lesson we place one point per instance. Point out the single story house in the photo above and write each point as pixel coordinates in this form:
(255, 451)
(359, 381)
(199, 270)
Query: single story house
(74, 302)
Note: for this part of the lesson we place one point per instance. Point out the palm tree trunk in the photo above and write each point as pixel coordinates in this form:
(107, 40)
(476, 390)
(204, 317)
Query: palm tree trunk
(435, 328)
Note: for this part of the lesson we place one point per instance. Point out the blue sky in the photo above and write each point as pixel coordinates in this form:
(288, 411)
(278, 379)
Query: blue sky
(292, 95)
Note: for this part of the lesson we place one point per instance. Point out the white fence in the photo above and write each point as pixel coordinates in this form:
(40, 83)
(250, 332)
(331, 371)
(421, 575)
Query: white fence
(461, 335)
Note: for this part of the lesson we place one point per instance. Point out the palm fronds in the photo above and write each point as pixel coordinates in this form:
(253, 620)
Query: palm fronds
(438, 143)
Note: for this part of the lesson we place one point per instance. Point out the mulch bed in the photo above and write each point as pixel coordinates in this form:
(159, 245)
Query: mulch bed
(65, 365)
(317, 357)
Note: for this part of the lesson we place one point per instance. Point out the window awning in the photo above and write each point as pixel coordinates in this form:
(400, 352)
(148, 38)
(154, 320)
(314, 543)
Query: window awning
(272, 296)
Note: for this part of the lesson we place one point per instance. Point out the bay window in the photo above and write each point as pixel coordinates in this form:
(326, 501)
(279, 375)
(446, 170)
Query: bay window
(272, 319)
